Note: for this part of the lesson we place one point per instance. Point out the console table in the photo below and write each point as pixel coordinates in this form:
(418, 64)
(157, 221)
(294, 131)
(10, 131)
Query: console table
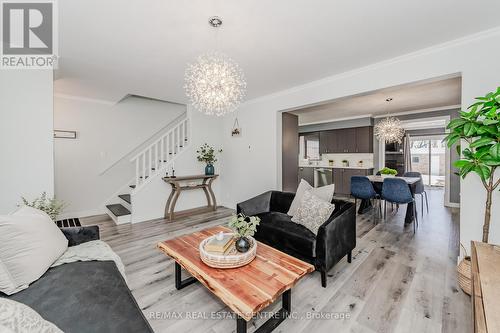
(177, 188)
(485, 260)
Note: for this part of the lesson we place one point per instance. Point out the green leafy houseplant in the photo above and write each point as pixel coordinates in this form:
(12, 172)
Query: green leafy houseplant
(479, 126)
(388, 171)
(243, 225)
(51, 206)
(207, 153)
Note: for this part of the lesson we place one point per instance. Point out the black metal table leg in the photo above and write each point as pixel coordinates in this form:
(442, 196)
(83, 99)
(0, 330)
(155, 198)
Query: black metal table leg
(274, 321)
(179, 283)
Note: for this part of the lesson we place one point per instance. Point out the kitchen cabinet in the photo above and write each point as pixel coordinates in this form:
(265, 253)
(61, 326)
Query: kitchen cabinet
(346, 140)
(307, 174)
(342, 179)
(328, 142)
(364, 139)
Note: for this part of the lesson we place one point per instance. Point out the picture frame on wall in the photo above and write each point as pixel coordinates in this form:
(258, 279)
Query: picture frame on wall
(60, 134)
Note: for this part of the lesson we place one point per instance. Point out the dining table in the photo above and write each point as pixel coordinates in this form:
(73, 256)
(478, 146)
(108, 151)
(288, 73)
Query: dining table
(377, 182)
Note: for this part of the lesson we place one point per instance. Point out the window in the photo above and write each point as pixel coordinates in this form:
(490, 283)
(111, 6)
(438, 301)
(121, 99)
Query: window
(309, 146)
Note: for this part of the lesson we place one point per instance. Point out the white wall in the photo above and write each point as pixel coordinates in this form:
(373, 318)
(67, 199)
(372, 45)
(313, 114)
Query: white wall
(105, 134)
(253, 161)
(149, 202)
(26, 149)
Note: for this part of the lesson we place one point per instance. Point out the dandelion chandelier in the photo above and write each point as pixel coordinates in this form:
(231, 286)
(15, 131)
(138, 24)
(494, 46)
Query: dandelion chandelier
(389, 130)
(214, 84)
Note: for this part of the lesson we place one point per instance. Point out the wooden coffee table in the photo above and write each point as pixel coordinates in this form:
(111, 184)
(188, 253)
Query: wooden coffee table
(245, 290)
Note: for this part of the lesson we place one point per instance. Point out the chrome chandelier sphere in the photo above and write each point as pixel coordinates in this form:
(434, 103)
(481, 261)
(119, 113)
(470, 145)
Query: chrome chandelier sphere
(215, 84)
(389, 130)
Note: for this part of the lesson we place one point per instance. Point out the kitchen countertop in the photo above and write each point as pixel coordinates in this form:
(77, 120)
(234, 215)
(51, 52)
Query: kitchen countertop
(336, 167)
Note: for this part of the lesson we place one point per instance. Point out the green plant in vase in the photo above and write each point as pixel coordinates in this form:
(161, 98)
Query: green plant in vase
(479, 127)
(244, 227)
(207, 154)
(388, 172)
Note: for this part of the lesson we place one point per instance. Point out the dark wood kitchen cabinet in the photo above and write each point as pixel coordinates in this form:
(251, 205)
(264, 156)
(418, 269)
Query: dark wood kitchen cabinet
(328, 142)
(307, 174)
(364, 139)
(346, 140)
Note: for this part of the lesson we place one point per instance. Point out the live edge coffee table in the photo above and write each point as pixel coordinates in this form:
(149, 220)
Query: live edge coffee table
(245, 290)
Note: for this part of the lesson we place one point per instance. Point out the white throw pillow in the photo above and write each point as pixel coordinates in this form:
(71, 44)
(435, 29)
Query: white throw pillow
(313, 212)
(303, 187)
(29, 243)
(17, 317)
(323, 192)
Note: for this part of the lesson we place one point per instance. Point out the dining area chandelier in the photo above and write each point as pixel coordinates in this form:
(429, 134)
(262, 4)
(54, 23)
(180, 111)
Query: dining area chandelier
(214, 83)
(389, 130)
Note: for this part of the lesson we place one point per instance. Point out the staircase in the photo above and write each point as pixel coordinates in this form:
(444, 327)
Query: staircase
(153, 161)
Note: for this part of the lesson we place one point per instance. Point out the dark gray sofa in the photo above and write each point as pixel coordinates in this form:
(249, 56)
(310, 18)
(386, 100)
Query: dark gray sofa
(84, 297)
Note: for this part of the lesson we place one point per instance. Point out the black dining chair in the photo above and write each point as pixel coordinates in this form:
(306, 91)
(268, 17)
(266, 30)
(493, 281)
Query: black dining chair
(362, 188)
(419, 188)
(396, 190)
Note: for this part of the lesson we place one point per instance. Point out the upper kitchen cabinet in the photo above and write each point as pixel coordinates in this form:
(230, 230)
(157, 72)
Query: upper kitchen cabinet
(364, 139)
(328, 142)
(346, 140)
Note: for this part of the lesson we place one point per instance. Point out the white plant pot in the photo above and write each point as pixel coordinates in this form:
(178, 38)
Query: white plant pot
(387, 176)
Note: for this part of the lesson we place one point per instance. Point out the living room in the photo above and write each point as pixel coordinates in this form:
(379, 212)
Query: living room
(152, 149)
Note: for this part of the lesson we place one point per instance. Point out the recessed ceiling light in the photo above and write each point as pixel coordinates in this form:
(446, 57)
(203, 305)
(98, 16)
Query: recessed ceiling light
(389, 99)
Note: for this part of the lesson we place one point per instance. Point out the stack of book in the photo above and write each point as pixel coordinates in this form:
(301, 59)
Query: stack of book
(220, 246)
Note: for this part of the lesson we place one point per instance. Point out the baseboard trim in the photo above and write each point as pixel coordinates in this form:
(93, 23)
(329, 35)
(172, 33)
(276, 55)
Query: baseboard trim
(80, 214)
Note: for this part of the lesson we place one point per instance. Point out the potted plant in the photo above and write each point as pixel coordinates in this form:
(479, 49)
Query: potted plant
(244, 227)
(51, 206)
(479, 127)
(388, 172)
(206, 154)
(345, 163)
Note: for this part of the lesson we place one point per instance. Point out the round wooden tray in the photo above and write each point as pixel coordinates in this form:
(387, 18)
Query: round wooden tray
(231, 259)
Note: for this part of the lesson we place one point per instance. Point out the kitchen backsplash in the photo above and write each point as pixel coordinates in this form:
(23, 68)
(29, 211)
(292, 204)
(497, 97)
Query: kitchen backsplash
(355, 160)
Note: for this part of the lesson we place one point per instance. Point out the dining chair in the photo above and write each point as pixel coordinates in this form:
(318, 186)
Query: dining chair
(396, 190)
(362, 188)
(419, 188)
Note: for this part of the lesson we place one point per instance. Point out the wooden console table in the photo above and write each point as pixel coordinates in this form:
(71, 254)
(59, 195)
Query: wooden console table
(485, 260)
(177, 188)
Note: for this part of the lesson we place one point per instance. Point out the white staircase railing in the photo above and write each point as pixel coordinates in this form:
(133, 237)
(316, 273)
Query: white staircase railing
(154, 158)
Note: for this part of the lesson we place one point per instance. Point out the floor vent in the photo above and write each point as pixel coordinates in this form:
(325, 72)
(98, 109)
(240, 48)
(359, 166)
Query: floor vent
(74, 222)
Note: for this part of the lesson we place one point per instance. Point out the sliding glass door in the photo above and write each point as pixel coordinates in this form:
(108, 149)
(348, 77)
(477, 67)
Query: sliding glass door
(428, 155)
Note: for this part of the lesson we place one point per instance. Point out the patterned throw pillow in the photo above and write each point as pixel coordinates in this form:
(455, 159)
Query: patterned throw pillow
(313, 212)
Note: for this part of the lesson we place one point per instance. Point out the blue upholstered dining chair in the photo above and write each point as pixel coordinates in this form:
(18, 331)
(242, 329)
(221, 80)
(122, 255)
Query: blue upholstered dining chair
(396, 190)
(419, 188)
(362, 188)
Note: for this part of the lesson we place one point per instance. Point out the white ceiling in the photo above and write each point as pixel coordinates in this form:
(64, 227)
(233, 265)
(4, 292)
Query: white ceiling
(115, 47)
(411, 97)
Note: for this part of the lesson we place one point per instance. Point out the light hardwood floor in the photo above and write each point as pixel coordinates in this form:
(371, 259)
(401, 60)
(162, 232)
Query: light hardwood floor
(397, 281)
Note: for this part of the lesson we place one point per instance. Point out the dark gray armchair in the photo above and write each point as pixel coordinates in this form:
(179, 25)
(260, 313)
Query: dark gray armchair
(336, 238)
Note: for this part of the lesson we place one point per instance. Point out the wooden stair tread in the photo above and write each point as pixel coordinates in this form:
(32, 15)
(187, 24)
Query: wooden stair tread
(125, 197)
(118, 210)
